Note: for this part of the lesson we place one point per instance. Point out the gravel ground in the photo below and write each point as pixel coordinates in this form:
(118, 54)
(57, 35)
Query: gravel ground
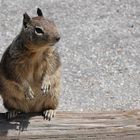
(99, 49)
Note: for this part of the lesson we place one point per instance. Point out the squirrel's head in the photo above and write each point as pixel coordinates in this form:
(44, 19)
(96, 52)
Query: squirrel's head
(40, 31)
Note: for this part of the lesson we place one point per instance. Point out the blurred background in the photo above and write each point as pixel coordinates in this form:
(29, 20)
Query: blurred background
(99, 48)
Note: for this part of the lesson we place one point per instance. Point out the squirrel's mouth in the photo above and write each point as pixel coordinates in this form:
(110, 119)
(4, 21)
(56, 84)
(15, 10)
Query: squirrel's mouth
(52, 44)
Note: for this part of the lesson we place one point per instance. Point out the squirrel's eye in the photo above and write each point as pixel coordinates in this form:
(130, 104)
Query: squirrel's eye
(39, 31)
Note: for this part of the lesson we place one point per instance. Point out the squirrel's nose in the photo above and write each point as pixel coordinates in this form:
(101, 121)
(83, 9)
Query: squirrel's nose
(57, 38)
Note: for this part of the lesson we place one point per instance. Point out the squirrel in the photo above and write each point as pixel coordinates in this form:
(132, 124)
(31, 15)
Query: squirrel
(30, 69)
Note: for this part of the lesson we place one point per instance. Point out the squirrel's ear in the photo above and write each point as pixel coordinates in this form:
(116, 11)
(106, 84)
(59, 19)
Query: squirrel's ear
(26, 19)
(39, 12)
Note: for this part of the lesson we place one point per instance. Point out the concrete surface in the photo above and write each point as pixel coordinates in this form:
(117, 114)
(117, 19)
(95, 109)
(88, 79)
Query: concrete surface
(99, 47)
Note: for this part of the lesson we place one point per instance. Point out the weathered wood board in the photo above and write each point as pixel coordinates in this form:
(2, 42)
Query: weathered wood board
(123, 125)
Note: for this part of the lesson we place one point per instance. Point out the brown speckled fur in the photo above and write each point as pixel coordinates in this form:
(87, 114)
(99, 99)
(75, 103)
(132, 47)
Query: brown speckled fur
(28, 59)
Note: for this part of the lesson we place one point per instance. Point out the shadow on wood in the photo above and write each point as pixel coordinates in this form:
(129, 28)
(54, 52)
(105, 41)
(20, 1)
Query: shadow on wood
(124, 125)
(20, 123)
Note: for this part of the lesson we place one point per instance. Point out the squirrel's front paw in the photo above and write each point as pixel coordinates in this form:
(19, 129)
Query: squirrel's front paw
(29, 94)
(45, 87)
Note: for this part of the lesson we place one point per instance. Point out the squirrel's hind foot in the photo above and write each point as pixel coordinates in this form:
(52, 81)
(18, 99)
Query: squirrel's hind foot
(11, 114)
(49, 114)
